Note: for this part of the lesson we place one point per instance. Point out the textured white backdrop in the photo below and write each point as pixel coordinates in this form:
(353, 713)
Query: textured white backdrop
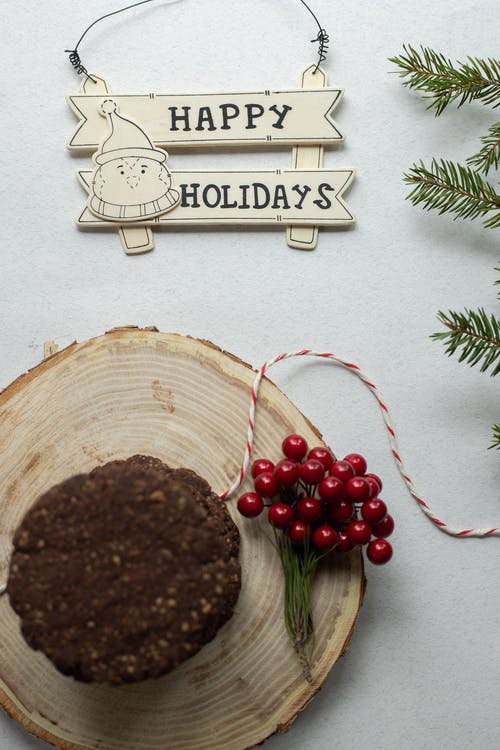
(422, 669)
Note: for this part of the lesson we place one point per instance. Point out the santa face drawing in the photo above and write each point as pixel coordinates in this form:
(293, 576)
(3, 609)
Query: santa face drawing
(120, 181)
(131, 181)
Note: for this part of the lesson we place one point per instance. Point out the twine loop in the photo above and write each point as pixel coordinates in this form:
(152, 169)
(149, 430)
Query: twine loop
(396, 453)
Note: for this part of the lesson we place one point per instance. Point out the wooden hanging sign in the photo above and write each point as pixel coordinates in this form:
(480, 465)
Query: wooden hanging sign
(132, 187)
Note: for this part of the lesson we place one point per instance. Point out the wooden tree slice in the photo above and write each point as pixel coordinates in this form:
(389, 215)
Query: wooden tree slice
(185, 401)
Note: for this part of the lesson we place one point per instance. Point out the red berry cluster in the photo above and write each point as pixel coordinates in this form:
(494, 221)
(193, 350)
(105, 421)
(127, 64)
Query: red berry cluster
(315, 498)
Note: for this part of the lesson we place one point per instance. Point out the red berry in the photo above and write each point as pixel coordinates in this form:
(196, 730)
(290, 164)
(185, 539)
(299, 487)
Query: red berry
(357, 489)
(294, 447)
(342, 470)
(298, 532)
(265, 484)
(311, 471)
(379, 551)
(383, 528)
(280, 515)
(357, 462)
(323, 455)
(331, 489)
(341, 512)
(250, 505)
(286, 473)
(374, 478)
(373, 485)
(260, 466)
(373, 510)
(309, 509)
(344, 544)
(359, 532)
(324, 537)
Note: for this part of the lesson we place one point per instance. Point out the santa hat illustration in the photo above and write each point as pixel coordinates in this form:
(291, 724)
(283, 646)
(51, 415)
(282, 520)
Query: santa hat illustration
(125, 138)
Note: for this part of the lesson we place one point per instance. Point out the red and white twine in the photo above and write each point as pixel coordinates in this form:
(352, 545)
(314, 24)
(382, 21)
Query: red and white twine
(390, 431)
(442, 525)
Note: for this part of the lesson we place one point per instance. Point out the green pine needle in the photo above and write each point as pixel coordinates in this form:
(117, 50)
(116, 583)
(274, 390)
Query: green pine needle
(496, 437)
(497, 282)
(489, 156)
(449, 187)
(475, 334)
(443, 82)
(493, 222)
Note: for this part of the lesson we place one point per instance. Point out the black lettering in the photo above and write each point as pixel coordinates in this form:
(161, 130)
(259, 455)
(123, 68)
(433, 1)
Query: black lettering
(258, 186)
(281, 115)
(187, 195)
(225, 198)
(180, 118)
(217, 193)
(302, 192)
(205, 116)
(226, 116)
(280, 196)
(324, 202)
(254, 111)
(244, 196)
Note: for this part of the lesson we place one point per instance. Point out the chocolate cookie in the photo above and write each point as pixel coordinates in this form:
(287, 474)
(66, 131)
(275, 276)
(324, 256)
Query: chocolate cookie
(121, 574)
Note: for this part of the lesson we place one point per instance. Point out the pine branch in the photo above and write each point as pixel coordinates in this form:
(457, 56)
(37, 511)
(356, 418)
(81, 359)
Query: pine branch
(476, 334)
(497, 282)
(496, 437)
(443, 82)
(489, 156)
(449, 187)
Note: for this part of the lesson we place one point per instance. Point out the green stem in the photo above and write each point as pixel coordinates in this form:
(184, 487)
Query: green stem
(299, 568)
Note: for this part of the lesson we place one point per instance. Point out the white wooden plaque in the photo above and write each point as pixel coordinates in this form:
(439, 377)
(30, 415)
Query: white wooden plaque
(233, 119)
(310, 197)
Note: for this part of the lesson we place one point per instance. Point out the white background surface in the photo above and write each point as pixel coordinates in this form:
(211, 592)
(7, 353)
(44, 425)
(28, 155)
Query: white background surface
(423, 667)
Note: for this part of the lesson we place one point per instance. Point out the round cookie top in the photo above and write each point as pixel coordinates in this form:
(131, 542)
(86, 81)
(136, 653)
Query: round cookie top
(121, 574)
